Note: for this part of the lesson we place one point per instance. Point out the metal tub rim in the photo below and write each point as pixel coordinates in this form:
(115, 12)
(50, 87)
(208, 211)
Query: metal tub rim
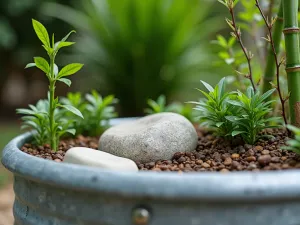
(207, 186)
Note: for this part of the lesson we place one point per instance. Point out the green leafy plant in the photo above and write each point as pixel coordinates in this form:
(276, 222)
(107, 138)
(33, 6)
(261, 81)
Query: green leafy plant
(54, 75)
(293, 144)
(251, 117)
(97, 112)
(214, 109)
(36, 118)
(160, 105)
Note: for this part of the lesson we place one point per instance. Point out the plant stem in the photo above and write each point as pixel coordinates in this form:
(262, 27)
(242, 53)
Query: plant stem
(271, 65)
(291, 33)
(246, 53)
(273, 51)
(53, 143)
(269, 15)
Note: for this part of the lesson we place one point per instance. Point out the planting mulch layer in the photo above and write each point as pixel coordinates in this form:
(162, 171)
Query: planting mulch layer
(211, 154)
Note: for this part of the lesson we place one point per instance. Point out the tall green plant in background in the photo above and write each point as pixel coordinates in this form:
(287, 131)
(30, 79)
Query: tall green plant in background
(291, 33)
(142, 49)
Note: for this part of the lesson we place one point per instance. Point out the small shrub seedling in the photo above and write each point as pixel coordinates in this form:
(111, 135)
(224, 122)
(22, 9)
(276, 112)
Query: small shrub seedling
(160, 105)
(215, 108)
(36, 118)
(250, 119)
(54, 75)
(293, 144)
(96, 110)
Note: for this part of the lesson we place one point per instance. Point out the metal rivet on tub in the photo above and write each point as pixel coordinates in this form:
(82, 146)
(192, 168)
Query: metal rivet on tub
(140, 216)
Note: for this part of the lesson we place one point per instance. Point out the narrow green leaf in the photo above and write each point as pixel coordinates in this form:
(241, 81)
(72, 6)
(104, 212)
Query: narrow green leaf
(30, 65)
(267, 94)
(223, 3)
(208, 87)
(222, 41)
(69, 69)
(66, 81)
(25, 111)
(236, 103)
(219, 124)
(67, 36)
(237, 132)
(41, 32)
(71, 131)
(60, 45)
(72, 109)
(42, 64)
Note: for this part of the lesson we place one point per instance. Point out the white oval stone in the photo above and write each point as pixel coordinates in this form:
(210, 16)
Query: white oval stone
(151, 138)
(96, 158)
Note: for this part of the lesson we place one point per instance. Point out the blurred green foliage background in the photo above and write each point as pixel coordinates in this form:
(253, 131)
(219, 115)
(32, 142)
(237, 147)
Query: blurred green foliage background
(133, 49)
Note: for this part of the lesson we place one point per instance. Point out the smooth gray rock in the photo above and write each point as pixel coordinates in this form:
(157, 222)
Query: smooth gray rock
(95, 158)
(150, 138)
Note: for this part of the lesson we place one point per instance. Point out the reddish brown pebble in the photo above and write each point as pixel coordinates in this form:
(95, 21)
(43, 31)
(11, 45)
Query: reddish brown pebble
(199, 162)
(181, 159)
(224, 170)
(235, 156)
(227, 161)
(251, 158)
(265, 152)
(235, 165)
(285, 166)
(205, 165)
(258, 148)
(264, 159)
(275, 159)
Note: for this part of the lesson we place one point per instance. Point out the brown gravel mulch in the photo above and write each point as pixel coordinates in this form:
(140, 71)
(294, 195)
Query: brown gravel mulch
(211, 154)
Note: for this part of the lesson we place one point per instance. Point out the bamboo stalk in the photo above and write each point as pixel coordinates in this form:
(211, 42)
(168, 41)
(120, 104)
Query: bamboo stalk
(291, 34)
(271, 64)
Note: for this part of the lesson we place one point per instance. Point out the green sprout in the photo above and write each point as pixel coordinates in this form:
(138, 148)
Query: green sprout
(54, 75)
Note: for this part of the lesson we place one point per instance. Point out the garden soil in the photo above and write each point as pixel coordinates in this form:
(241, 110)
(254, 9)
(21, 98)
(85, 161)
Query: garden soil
(212, 154)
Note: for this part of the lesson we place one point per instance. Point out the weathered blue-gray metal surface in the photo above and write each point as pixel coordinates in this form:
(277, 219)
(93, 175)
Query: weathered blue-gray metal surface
(50, 193)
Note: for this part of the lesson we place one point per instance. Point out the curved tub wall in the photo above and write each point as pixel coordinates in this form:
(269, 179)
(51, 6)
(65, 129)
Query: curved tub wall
(49, 193)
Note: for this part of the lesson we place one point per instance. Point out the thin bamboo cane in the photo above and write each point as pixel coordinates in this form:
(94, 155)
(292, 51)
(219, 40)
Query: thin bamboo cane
(291, 33)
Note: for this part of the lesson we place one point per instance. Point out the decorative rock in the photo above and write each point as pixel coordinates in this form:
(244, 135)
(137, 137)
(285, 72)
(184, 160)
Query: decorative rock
(95, 158)
(150, 138)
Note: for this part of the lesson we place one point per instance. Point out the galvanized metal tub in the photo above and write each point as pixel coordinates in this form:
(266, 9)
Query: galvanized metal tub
(50, 193)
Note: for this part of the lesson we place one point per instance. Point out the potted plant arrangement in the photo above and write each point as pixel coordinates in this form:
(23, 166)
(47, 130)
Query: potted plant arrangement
(154, 170)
